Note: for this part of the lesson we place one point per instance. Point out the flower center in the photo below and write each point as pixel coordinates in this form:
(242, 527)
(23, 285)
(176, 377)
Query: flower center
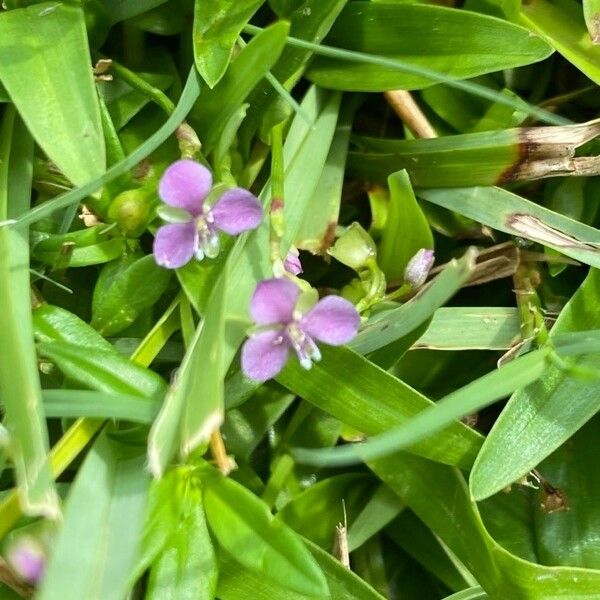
(207, 243)
(303, 345)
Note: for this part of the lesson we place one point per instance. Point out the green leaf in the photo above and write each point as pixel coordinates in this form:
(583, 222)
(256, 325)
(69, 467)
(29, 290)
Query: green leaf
(188, 97)
(405, 231)
(439, 496)
(467, 400)
(315, 512)
(102, 370)
(563, 27)
(238, 583)
(540, 418)
(187, 565)
(19, 380)
(591, 14)
(194, 405)
(120, 10)
(412, 32)
(217, 106)
(348, 386)
(217, 25)
(505, 211)
(245, 528)
(472, 328)
(124, 290)
(107, 499)
(52, 57)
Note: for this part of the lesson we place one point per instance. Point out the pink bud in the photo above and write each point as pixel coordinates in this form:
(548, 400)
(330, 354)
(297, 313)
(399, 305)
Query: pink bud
(292, 262)
(27, 559)
(418, 267)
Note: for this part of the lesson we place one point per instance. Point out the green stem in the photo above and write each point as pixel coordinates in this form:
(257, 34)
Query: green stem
(277, 198)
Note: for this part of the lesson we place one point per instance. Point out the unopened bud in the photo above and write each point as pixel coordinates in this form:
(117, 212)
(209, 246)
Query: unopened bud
(418, 267)
(354, 248)
(292, 262)
(189, 143)
(27, 559)
(131, 211)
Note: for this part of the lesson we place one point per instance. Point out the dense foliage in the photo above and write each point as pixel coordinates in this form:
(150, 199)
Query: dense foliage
(299, 299)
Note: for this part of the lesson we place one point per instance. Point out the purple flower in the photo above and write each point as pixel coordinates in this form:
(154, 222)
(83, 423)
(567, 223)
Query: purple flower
(418, 267)
(194, 227)
(27, 559)
(292, 262)
(332, 320)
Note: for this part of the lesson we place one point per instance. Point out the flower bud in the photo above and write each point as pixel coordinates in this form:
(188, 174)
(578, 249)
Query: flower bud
(418, 267)
(189, 143)
(292, 262)
(130, 210)
(354, 248)
(27, 559)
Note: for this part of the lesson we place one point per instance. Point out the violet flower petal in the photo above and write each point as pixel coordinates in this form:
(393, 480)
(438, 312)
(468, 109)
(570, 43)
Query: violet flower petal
(264, 355)
(333, 320)
(28, 561)
(175, 244)
(185, 184)
(237, 210)
(274, 301)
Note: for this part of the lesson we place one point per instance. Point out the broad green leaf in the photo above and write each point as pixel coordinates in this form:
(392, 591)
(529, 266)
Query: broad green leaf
(563, 27)
(194, 405)
(472, 328)
(439, 496)
(99, 539)
(245, 528)
(238, 583)
(102, 370)
(217, 106)
(20, 391)
(454, 42)
(187, 565)
(120, 10)
(52, 57)
(349, 386)
(473, 593)
(544, 415)
(467, 400)
(124, 290)
(217, 25)
(512, 214)
(405, 231)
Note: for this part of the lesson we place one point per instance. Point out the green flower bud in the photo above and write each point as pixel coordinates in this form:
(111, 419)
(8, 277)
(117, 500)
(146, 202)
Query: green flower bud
(355, 248)
(131, 211)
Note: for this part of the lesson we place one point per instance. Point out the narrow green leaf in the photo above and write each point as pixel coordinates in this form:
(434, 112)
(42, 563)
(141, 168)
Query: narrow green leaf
(20, 390)
(250, 66)
(472, 328)
(540, 418)
(505, 211)
(405, 230)
(121, 10)
(414, 33)
(348, 386)
(244, 526)
(52, 57)
(591, 14)
(107, 499)
(194, 405)
(217, 25)
(467, 400)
